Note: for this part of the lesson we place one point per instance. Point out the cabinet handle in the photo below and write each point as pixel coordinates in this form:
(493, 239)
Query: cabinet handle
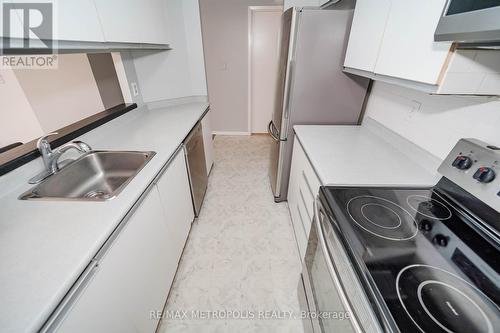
(166, 165)
(307, 183)
(305, 204)
(70, 299)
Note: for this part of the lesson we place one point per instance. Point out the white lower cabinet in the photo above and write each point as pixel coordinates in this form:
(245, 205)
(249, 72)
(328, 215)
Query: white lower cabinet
(133, 277)
(175, 195)
(303, 188)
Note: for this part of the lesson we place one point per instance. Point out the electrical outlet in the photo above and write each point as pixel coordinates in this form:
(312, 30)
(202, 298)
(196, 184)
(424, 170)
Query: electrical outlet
(135, 88)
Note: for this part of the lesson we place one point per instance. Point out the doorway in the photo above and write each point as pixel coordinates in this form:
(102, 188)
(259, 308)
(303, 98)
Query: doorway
(264, 24)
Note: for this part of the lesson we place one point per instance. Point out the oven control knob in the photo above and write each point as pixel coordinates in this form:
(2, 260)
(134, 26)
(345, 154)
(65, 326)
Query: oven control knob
(484, 175)
(426, 225)
(440, 240)
(462, 162)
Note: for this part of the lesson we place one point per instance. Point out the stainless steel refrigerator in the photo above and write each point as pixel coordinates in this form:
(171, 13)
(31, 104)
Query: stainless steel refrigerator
(312, 89)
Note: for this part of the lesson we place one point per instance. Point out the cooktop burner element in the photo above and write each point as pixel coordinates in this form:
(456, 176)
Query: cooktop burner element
(382, 217)
(439, 301)
(429, 207)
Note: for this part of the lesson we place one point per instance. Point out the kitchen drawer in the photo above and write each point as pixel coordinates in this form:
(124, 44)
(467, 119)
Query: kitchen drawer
(300, 233)
(308, 190)
(302, 191)
(307, 215)
(312, 180)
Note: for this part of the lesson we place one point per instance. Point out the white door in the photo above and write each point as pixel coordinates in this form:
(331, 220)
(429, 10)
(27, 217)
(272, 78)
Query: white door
(265, 25)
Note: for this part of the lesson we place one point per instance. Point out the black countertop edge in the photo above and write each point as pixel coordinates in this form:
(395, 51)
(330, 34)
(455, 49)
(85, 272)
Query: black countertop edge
(21, 155)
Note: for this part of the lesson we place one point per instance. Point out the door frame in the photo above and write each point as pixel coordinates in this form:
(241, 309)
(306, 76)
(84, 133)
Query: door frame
(251, 11)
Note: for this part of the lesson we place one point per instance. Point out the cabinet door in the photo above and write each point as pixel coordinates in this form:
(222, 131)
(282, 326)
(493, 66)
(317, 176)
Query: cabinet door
(133, 21)
(206, 128)
(133, 277)
(177, 204)
(408, 49)
(15, 27)
(77, 20)
(74, 20)
(367, 31)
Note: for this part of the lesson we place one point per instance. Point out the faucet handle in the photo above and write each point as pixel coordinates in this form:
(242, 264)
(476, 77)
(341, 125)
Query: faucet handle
(42, 143)
(83, 146)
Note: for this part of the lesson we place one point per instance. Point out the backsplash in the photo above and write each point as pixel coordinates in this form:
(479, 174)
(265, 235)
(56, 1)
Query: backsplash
(34, 102)
(435, 123)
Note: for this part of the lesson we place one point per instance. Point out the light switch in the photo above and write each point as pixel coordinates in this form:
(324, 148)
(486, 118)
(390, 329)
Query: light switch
(135, 88)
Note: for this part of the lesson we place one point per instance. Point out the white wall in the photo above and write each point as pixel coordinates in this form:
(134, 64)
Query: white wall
(18, 121)
(225, 37)
(178, 72)
(441, 120)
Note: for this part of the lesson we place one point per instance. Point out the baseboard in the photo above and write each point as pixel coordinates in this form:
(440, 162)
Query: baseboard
(230, 133)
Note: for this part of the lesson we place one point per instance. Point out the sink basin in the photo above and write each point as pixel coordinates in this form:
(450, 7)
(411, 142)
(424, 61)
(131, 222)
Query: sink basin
(95, 176)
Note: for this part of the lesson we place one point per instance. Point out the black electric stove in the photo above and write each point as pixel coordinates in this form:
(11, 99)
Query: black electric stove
(428, 258)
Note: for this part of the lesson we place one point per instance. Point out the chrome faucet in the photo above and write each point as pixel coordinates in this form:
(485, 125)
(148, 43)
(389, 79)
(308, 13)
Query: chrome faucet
(51, 157)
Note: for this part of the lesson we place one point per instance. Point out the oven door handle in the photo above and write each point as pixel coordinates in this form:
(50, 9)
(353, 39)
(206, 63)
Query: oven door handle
(331, 268)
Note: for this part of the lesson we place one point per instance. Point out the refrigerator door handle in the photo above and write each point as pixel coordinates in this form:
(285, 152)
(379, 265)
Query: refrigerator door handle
(271, 132)
(289, 82)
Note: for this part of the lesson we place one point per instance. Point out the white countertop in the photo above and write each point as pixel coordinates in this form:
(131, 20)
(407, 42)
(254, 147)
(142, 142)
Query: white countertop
(366, 155)
(46, 245)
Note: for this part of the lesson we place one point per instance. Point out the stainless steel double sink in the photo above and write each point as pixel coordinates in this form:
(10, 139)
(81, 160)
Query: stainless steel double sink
(95, 176)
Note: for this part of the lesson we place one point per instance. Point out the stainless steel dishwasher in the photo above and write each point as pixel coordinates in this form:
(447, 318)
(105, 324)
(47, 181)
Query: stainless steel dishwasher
(197, 169)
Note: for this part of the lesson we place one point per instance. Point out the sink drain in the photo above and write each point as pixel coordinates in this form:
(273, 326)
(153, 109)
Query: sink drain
(96, 194)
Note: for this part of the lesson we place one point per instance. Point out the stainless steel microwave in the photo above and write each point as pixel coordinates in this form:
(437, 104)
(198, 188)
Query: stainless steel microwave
(470, 21)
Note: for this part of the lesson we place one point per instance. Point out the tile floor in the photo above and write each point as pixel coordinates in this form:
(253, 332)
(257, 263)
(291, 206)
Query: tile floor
(241, 257)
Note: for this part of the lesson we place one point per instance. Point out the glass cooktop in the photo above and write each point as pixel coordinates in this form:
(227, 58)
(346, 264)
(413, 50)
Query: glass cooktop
(432, 271)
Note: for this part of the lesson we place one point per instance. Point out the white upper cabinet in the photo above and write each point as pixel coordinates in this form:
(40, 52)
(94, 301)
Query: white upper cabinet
(393, 41)
(408, 50)
(133, 21)
(77, 20)
(118, 21)
(366, 35)
(73, 20)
